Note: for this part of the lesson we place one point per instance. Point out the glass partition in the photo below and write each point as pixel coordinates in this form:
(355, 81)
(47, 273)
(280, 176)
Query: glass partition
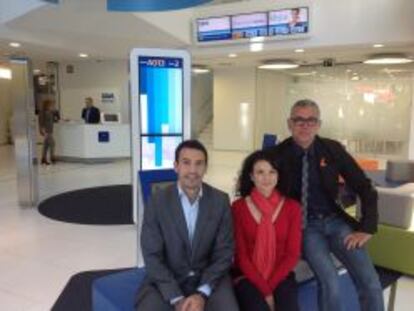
(367, 108)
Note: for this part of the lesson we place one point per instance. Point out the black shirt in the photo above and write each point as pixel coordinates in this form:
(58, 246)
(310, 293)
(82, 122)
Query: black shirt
(318, 200)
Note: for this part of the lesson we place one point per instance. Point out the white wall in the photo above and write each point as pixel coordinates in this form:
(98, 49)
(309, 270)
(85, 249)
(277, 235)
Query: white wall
(234, 108)
(5, 109)
(201, 101)
(272, 105)
(91, 78)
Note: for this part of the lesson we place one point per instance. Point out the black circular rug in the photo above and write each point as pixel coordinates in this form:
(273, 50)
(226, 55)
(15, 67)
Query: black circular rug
(108, 205)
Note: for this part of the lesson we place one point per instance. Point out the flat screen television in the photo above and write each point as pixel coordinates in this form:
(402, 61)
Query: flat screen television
(213, 29)
(249, 25)
(289, 21)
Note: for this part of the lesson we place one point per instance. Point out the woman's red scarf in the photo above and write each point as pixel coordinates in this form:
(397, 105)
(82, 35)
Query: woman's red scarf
(264, 254)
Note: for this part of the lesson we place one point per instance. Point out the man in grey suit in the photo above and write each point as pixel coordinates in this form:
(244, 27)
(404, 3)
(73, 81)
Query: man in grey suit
(187, 241)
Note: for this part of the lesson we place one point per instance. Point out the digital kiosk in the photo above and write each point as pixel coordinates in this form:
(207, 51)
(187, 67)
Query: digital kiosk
(160, 116)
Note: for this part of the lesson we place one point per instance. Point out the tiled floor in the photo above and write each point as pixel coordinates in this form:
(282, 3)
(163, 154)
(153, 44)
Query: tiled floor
(38, 255)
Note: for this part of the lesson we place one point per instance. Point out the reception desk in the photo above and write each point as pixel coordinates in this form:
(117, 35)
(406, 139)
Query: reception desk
(92, 142)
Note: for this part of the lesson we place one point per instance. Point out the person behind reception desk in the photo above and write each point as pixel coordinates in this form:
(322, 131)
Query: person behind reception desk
(47, 117)
(90, 113)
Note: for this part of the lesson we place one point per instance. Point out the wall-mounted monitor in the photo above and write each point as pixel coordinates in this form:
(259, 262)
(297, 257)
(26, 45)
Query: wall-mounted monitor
(277, 24)
(289, 21)
(110, 117)
(249, 25)
(213, 29)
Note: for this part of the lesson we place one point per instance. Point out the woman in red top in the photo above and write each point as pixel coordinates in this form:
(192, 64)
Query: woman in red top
(268, 239)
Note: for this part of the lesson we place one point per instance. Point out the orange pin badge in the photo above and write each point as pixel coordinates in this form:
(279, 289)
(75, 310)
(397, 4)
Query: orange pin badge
(323, 163)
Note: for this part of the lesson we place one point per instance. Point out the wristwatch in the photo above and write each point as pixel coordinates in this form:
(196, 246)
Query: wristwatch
(203, 295)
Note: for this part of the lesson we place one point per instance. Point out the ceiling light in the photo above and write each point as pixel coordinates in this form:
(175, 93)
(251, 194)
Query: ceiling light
(5, 73)
(83, 55)
(304, 74)
(15, 44)
(197, 69)
(256, 47)
(378, 45)
(388, 59)
(278, 64)
(36, 71)
(232, 55)
(257, 39)
(299, 51)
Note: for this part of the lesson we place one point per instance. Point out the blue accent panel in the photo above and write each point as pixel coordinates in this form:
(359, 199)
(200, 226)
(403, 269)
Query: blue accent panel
(269, 140)
(151, 5)
(158, 150)
(163, 99)
(151, 177)
(103, 137)
(215, 35)
(52, 1)
(118, 291)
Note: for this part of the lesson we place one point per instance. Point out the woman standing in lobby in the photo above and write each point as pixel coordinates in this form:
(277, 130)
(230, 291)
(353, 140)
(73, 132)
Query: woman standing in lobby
(268, 239)
(47, 117)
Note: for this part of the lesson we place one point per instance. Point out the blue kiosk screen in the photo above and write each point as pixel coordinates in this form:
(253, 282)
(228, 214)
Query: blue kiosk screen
(161, 106)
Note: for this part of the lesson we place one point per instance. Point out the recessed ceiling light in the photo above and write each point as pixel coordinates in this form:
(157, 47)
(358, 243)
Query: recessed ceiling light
(278, 64)
(36, 71)
(257, 39)
(83, 55)
(256, 47)
(232, 55)
(388, 59)
(304, 74)
(200, 69)
(378, 45)
(299, 50)
(15, 44)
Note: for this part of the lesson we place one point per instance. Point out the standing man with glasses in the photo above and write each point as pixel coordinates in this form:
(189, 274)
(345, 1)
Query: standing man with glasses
(310, 167)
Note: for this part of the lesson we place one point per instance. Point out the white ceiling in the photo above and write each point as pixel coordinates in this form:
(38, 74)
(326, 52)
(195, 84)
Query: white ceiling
(60, 33)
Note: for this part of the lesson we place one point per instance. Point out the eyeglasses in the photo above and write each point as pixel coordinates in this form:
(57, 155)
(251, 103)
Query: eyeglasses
(299, 121)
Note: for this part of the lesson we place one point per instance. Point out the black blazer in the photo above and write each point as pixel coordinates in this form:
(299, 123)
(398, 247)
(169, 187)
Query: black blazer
(94, 115)
(335, 161)
(168, 255)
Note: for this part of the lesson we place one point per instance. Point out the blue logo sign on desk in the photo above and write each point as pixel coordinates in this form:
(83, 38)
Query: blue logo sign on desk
(103, 137)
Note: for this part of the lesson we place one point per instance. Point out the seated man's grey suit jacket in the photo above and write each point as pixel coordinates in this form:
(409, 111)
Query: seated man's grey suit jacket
(168, 254)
